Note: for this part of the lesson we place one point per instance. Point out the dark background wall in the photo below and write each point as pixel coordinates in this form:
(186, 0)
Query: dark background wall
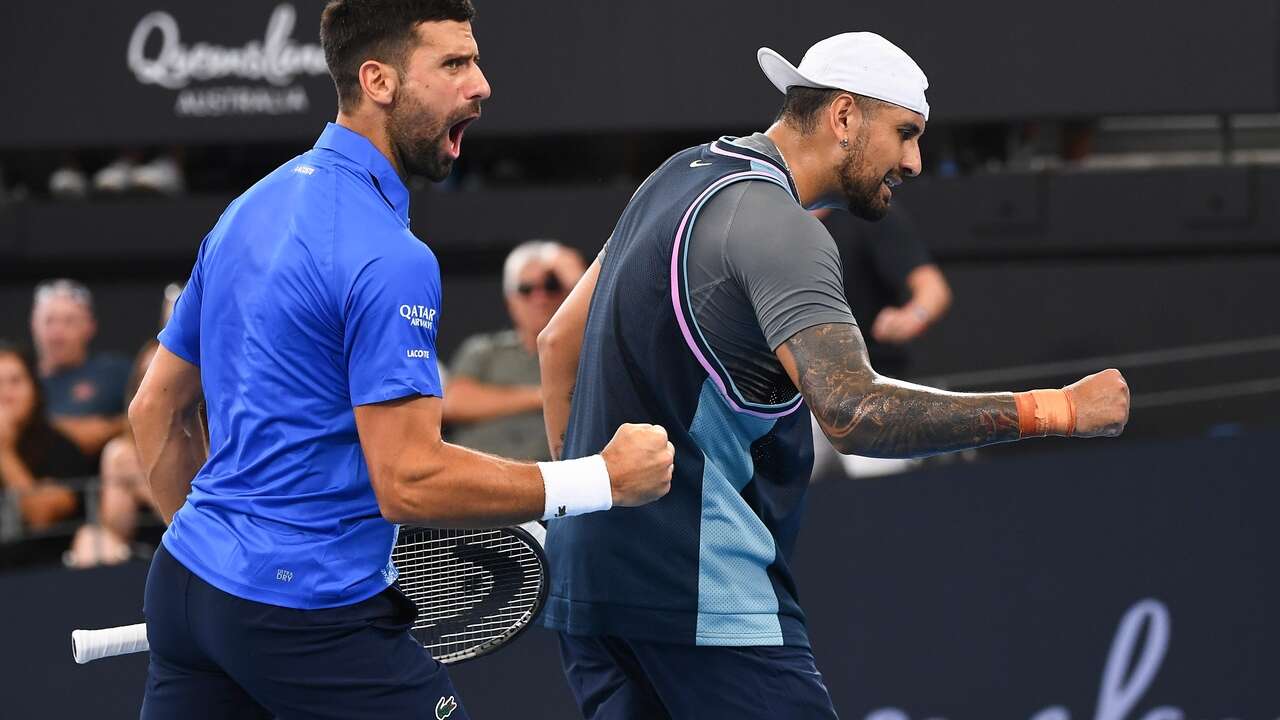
(567, 65)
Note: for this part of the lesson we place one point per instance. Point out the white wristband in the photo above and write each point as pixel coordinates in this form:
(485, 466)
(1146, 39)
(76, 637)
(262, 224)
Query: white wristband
(574, 487)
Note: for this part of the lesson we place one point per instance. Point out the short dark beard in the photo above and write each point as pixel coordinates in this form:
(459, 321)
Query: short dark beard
(861, 191)
(416, 138)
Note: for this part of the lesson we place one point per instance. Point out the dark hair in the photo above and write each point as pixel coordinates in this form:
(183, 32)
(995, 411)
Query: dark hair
(802, 105)
(35, 440)
(353, 31)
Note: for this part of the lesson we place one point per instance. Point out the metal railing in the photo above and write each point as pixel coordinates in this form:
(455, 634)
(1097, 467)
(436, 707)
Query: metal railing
(1134, 360)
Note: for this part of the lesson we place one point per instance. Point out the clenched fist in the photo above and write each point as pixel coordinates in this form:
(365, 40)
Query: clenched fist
(640, 462)
(1102, 404)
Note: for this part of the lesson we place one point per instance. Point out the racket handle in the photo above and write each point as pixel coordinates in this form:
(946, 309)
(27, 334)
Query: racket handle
(88, 645)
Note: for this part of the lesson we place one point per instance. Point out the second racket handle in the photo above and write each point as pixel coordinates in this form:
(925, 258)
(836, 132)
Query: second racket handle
(89, 645)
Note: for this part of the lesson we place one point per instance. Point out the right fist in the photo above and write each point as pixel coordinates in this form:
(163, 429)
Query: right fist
(1102, 404)
(640, 463)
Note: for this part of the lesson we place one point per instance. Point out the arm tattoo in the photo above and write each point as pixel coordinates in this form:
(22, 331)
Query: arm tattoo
(866, 414)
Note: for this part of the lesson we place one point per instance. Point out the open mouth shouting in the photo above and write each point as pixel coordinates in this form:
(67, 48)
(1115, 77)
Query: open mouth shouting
(455, 135)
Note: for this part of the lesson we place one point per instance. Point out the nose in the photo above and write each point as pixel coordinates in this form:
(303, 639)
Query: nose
(911, 162)
(480, 89)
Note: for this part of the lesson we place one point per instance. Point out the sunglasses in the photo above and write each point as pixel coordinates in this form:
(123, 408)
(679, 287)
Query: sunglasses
(551, 285)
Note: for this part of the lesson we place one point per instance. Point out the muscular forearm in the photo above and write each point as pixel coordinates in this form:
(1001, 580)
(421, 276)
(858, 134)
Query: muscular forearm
(890, 418)
(864, 413)
(466, 400)
(444, 485)
(171, 449)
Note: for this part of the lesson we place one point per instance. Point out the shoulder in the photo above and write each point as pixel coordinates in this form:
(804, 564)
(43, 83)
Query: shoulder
(300, 195)
(395, 252)
(765, 220)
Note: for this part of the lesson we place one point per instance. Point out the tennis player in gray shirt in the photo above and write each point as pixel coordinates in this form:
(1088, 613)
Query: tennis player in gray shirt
(718, 311)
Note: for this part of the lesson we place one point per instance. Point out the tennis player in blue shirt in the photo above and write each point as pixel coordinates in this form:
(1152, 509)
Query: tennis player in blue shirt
(309, 323)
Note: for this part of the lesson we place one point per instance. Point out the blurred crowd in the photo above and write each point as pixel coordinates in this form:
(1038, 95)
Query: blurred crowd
(67, 460)
(74, 491)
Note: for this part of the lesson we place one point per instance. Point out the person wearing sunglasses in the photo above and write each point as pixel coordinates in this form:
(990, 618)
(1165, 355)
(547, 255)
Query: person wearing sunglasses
(493, 401)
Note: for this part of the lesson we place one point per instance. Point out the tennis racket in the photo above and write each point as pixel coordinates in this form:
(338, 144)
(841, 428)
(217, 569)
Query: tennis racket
(476, 591)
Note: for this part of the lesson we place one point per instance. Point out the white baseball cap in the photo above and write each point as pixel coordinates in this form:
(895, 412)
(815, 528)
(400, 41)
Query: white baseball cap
(858, 62)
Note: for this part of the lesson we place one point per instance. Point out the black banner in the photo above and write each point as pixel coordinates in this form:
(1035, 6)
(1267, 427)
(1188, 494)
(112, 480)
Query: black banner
(134, 72)
(154, 73)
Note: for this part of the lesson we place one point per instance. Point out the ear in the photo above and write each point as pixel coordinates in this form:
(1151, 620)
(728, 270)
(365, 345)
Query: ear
(379, 81)
(843, 117)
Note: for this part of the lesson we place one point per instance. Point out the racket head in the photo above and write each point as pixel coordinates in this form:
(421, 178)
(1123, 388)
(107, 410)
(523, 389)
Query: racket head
(476, 590)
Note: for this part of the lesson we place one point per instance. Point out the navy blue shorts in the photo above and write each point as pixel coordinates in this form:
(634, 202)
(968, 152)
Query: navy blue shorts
(616, 679)
(215, 655)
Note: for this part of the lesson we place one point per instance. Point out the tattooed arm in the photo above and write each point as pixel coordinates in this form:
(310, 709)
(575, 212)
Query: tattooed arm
(559, 345)
(865, 413)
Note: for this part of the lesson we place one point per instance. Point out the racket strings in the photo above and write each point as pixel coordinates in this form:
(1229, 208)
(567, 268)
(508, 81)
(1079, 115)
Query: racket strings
(438, 570)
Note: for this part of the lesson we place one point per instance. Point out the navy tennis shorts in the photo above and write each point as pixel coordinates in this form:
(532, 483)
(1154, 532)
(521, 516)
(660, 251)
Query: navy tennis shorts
(215, 655)
(616, 679)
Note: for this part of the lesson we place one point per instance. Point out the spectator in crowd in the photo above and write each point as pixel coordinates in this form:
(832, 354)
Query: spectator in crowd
(84, 390)
(34, 455)
(109, 541)
(492, 400)
(125, 491)
(894, 288)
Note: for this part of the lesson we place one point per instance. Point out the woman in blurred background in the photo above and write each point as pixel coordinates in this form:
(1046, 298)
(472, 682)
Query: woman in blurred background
(109, 541)
(33, 454)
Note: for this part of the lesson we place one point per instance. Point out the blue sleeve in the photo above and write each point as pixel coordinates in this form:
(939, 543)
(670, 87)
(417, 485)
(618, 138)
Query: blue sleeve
(181, 336)
(392, 314)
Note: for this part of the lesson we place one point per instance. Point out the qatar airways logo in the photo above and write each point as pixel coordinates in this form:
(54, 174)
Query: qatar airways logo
(158, 56)
(419, 316)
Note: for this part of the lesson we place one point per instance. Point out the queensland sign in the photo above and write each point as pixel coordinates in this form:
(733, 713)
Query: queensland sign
(257, 77)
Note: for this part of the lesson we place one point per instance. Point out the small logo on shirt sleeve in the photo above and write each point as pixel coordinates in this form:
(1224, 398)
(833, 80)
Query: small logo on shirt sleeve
(419, 316)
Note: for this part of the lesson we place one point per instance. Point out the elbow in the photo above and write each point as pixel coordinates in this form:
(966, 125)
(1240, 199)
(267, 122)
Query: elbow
(393, 514)
(393, 504)
(141, 407)
(548, 340)
(404, 497)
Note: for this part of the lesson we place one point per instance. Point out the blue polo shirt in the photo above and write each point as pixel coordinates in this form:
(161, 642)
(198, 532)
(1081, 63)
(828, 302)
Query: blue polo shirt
(309, 297)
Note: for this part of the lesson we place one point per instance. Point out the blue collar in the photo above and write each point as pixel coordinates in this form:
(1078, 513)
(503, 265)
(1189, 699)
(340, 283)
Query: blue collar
(357, 148)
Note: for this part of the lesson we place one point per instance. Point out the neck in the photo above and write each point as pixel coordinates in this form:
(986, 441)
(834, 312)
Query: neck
(374, 129)
(811, 172)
